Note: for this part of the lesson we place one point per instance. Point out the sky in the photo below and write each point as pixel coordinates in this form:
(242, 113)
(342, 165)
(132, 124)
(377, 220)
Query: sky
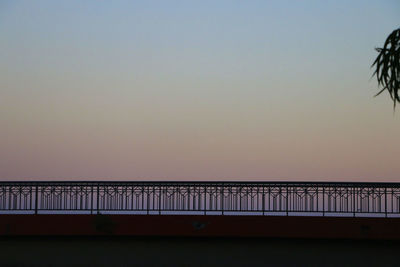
(196, 90)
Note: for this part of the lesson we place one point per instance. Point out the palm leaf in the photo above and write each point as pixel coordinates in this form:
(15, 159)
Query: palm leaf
(387, 66)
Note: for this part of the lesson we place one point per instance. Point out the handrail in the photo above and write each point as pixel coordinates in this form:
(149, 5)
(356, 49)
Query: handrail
(346, 184)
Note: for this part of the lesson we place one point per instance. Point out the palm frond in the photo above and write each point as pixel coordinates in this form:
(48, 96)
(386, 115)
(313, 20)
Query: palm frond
(387, 66)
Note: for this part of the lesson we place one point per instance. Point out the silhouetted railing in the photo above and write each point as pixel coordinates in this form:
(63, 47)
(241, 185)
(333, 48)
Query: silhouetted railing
(229, 198)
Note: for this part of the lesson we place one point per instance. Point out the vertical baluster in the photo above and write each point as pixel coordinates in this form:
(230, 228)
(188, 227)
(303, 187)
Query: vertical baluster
(36, 199)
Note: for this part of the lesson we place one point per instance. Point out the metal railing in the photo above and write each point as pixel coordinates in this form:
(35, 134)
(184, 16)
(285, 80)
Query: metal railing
(225, 198)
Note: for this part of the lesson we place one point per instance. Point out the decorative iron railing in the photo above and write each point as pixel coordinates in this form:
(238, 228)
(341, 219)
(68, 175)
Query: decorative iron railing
(225, 198)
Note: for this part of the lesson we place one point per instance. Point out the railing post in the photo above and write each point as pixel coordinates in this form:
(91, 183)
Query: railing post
(98, 199)
(91, 200)
(317, 199)
(323, 200)
(205, 199)
(159, 201)
(354, 201)
(287, 200)
(36, 199)
(222, 199)
(386, 213)
(263, 202)
(148, 200)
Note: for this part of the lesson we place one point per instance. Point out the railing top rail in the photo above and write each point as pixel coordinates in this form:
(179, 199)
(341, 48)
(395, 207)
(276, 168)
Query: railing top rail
(201, 183)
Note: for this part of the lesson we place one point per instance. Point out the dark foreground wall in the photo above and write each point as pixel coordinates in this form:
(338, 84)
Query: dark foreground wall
(204, 226)
(194, 251)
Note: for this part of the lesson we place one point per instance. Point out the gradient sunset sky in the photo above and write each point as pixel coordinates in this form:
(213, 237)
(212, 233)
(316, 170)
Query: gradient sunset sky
(195, 90)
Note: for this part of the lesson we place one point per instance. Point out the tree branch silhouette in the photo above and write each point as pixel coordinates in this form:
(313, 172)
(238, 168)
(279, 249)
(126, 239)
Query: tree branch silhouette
(387, 66)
